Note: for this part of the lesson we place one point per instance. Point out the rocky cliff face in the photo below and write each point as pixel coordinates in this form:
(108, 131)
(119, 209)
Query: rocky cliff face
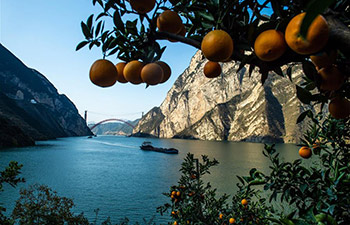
(232, 107)
(30, 103)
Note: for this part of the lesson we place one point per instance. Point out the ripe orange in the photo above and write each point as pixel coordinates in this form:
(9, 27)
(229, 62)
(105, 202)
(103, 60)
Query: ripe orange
(221, 216)
(142, 6)
(166, 70)
(217, 46)
(244, 201)
(103, 73)
(120, 68)
(339, 108)
(132, 72)
(305, 152)
(175, 223)
(178, 193)
(232, 220)
(212, 69)
(173, 213)
(169, 21)
(152, 74)
(332, 78)
(173, 193)
(324, 59)
(316, 38)
(270, 45)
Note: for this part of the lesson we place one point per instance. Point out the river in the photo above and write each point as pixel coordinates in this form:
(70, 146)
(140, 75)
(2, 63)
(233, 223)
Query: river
(111, 172)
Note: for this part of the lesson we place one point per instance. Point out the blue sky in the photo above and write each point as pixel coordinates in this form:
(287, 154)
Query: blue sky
(44, 35)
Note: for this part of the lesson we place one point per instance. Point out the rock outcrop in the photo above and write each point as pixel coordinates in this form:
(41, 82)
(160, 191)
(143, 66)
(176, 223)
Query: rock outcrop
(31, 107)
(234, 107)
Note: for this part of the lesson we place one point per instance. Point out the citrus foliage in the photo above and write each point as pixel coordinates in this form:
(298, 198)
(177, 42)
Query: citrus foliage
(252, 32)
(194, 202)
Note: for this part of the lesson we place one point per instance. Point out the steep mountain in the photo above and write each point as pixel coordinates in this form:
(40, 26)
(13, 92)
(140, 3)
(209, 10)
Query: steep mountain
(115, 128)
(31, 108)
(233, 107)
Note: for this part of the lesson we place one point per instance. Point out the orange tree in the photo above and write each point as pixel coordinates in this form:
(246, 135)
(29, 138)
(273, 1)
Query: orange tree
(273, 36)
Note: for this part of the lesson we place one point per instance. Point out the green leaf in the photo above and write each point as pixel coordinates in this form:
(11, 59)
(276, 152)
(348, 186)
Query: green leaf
(86, 30)
(314, 8)
(81, 44)
(89, 21)
(278, 71)
(303, 95)
(309, 70)
(98, 28)
(289, 72)
(302, 116)
(117, 20)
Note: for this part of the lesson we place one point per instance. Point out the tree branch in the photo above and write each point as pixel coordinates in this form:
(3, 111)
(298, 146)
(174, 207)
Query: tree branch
(165, 35)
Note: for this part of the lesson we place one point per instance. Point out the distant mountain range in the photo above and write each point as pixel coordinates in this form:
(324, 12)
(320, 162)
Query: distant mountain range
(31, 108)
(234, 107)
(115, 128)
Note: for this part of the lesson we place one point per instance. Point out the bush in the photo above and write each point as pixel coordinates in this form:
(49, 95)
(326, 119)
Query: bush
(40, 205)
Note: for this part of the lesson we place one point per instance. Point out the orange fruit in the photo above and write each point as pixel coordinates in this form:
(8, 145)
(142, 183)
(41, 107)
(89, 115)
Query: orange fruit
(221, 216)
(305, 152)
(142, 6)
(212, 69)
(175, 223)
(169, 21)
(217, 46)
(232, 220)
(103, 73)
(339, 108)
(270, 45)
(132, 72)
(316, 38)
(173, 193)
(244, 201)
(152, 74)
(332, 78)
(173, 213)
(172, 196)
(166, 71)
(120, 68)
(178, 193)
(324, 59)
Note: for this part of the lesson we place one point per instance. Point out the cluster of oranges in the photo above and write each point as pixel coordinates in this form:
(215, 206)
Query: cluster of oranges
(271, 45)
(232, 220)
(104, 73)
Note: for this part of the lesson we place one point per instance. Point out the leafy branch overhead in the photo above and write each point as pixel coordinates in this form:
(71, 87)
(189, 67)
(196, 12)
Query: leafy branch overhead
(270, 35)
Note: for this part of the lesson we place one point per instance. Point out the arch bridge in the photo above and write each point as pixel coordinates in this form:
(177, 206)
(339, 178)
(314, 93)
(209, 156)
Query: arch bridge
(108, 120)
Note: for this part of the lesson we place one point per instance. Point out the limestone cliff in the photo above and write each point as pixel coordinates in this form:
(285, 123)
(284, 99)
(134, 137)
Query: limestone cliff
(232, 107)
(30, 106)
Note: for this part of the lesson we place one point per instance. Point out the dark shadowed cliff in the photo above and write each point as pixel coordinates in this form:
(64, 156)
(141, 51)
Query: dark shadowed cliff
(31, 108)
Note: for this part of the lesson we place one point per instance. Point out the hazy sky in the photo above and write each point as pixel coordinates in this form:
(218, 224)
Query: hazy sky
(44, 35)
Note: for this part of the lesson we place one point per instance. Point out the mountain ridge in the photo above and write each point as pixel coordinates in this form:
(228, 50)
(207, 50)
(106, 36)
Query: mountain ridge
(31, 104)
(234, 106)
